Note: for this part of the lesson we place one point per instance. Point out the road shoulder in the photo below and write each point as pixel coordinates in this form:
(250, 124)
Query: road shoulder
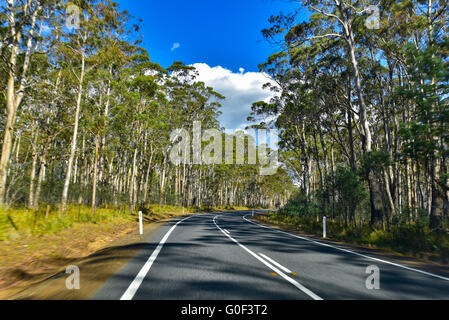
(388, 255)
(95, 269)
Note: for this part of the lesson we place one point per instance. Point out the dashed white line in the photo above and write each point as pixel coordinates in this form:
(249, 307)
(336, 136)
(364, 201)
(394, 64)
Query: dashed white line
(352, 252)
(275, 269)
(275, 263)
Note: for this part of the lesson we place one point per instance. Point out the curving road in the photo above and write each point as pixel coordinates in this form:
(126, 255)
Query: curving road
(229, 257)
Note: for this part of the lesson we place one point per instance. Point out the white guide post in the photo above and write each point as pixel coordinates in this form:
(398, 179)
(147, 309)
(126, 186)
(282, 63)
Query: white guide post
(140, 222)
(324, 227)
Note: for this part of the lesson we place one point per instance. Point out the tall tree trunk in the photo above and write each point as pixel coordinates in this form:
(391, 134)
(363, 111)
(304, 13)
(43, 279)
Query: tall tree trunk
(68, 176)
(94, 183)
(33, 175)
(436, 212)
(13, 97)
(132, 204)
(147, 178)
(373, 183)
(43, 163)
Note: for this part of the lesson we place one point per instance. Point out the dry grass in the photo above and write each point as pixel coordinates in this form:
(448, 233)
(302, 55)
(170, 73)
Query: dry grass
(31, 255)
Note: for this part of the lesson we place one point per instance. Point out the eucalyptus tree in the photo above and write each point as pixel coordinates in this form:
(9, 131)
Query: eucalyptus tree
(77, 53)
(89, 117)
(345, 90)
(20, 38)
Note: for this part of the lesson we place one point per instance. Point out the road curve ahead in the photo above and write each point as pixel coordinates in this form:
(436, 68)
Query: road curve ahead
(228, 257)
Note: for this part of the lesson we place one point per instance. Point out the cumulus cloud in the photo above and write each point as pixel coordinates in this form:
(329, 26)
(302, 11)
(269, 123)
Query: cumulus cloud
(240, 89)
(175, 46)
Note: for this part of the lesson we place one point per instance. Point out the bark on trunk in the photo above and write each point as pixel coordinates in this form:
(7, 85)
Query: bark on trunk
(13, 97)
(94, 184)
(68, 176)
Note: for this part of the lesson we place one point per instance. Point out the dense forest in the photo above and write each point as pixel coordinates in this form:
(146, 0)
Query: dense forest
(87, 116)
(105, 152)
(362, 104)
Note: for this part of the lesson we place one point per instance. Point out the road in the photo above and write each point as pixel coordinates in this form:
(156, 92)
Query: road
(227, 256)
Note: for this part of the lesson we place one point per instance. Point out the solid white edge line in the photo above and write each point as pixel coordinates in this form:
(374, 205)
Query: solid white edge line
(280, 266)
(134, 286)
(276, 270)
(349, 251)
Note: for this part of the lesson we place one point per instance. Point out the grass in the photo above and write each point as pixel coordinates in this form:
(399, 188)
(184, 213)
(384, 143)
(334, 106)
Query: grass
(17, 223)
(409, 239)
(224, 208)
(35, 245)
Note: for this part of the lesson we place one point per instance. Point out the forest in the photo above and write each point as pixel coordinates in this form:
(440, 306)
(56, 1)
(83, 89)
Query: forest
(114, 149)
(362, 104)
(87, 117)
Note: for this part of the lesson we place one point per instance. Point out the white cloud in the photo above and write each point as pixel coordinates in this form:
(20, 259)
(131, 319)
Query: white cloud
(175, 46)
(240, 89)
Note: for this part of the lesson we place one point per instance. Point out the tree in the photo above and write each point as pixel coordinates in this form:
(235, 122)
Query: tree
(21, 34)
(343, 93)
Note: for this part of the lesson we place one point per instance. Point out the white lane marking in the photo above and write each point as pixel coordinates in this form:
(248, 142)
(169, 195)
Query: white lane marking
(134, 286)
(280, 266)
(226, 231)
(349, 251)
(276, 270)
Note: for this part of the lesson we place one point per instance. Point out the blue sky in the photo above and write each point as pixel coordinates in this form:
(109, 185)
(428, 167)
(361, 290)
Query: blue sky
(216, 32)
(222, 38)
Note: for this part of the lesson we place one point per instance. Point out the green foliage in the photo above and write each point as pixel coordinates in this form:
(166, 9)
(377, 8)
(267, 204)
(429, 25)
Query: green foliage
(22, 222)
(18, 222)
(428, 90)
(301, 206)
(375, 161)
(343, 195)
(375, 101)
(349, 188)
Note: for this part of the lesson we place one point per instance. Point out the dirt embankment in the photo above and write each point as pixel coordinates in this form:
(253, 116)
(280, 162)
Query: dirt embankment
(34, 267)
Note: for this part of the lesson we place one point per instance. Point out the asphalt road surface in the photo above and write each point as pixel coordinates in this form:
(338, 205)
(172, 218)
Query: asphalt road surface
(229, 257)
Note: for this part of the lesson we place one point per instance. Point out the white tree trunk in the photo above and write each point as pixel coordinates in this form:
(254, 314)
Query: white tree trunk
(75, 134)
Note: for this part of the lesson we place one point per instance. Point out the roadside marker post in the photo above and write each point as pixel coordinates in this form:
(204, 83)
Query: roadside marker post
(182, 210)
(140, 223)
(324, 227)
